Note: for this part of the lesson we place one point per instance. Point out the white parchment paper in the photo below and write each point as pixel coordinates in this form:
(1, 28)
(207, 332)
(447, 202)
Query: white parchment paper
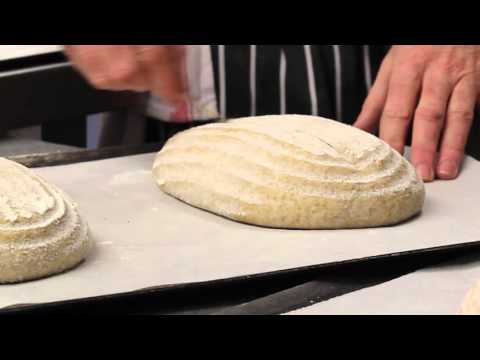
(145, 238)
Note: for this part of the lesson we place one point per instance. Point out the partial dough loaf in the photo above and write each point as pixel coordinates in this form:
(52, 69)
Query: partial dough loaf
(290, 171)
(471, 304)
(41, 232)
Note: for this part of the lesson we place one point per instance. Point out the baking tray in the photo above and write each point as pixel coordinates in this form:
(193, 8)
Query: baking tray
(435, 290)
(148, 240)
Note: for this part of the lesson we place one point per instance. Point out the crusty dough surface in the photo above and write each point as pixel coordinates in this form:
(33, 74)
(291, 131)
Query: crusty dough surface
(471, 303)
(41, 231)
(290, 171)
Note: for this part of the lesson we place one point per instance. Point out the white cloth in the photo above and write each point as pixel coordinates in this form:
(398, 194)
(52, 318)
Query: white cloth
(202, 101)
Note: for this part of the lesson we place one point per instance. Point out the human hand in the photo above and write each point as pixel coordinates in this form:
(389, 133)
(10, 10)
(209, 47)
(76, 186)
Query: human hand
(434, 87)
(155, 68)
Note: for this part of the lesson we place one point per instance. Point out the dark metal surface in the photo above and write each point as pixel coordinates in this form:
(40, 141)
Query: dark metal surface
(72, 157)
(34, 95)
(340, 280)
(72, 132)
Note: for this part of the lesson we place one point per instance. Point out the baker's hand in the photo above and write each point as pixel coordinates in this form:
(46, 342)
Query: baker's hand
(436, 88)
(156, 68)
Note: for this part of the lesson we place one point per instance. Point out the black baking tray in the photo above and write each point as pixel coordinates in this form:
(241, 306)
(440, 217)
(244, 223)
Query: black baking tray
(270, 293)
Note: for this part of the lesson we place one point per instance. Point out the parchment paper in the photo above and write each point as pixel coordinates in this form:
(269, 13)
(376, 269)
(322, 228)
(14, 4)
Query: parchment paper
(145, 238)
(438, 290)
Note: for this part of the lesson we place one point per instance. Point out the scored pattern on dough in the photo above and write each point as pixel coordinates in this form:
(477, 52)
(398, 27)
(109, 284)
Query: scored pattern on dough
(290, 171)
(41, 231)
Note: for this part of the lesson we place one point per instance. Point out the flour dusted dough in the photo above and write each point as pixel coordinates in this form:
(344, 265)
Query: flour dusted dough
(290, 171)
(471, 304)
(41, 232)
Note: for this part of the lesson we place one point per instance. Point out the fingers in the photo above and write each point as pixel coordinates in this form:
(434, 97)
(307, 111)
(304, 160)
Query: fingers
(164, 68)
(459, 119)
(158, 68)
(428, 122)
(108, 67)
(403, 91)
(88, 60)
(124, 72)
(373, 106)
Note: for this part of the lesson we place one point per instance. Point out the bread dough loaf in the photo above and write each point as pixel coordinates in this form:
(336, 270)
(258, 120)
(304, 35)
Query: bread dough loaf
(290, 171)
(471, 304)
(41, 232)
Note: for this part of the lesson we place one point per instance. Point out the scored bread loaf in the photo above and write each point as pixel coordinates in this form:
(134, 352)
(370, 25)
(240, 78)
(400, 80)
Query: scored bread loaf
(41, 231)
(290, 171)
(471, 303)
